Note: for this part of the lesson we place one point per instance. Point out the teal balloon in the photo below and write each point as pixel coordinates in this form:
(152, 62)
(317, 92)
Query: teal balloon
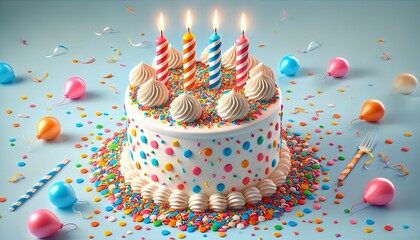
(62, 195)
(289, 65)
(6, 73)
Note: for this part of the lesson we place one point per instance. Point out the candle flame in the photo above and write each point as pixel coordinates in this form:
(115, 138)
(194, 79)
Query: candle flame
(188, 22)
(243, 23)
(215, 21)
(161, 26)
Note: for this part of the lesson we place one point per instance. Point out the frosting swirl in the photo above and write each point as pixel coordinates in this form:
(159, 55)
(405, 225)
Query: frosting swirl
(178, 200)
(217, 202)
(252, 62)
(161, 196)
(148, 190)
(267, 187)
(252, 195)
(260, 87)
(130, 175)
(198, 202)
(236, 200)
(138, 183)
(141, 73)
(278, 177)
(185, 108)
(152, 93)
(174, 58)
(262, 68)
(232, 106)
(204, 56)
(229, 58)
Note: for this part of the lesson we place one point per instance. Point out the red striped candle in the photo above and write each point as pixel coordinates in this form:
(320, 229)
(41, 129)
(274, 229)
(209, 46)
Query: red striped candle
(162, 55)
(242, 46)
(189, 56)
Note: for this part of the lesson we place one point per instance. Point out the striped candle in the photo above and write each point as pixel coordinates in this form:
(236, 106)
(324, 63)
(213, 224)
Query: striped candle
(162, 55)
(215, 57)
(242, 46)
(189, 56)
(38, 185)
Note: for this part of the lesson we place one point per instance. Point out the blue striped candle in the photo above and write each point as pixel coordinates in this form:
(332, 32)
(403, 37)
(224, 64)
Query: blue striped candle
(215, 57)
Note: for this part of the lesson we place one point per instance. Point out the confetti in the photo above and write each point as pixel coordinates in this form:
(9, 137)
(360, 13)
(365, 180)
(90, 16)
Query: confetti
(386, 57)
(312, 46)
(261, 45)
(108, 76)
(23, 116)
(86, 62)
(284, 15)
(408, 134)
(16, 178)
(400, 166)
(130, 9)
(105, 31)
(298, 109)
(64, 51)
(23, 41)
(113, 59)
(41, 79)
(143, 43)
(113, 88)
(380, 40)
(385, 158)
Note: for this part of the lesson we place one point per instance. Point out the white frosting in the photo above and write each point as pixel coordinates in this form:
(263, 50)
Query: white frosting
(204, 56)
(278, 177)
(185, 108)
(125, 161)
(232, 106)
(229, 58)
(236, 200)
(267, 187)
(130, 175)
(198, 202)
(217, 202)
(174, 58)
(141, 73)
(148, 190)
(252, 195)
(260, 87)
(252, 62)
(267, 71)
(152, 93)
(178, 200)
(138, 183)
(161, 196)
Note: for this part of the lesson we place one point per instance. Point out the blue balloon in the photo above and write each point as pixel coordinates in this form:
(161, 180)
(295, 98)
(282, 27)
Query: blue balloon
(289, 65)
(62, 195)
(6, 73)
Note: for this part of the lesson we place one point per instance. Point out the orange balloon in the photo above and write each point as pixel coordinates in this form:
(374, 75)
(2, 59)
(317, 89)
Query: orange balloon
(372, 111)
(48, 128)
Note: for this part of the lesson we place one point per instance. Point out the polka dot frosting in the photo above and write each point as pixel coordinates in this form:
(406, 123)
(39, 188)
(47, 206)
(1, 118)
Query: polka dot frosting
(188, 153)
(227, 152)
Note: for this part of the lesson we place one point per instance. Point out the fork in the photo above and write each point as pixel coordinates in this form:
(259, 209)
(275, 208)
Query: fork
(365, 146)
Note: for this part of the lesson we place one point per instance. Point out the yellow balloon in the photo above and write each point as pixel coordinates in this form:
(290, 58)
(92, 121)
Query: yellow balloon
(48, 128)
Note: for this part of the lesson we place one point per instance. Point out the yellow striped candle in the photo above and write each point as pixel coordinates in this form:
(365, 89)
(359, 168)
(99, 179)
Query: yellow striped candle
(189, 56)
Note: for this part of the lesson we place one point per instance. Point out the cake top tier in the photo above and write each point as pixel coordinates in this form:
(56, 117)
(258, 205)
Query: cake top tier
(201, 106)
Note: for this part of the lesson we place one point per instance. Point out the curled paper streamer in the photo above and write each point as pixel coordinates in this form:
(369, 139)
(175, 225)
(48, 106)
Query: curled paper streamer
(386, 57)
(41, 79)
(370, 160)
(113, 59)
(400, 166)
(144, 43)
(87, 62)
(23, 41)
(385, 158)
(16, 178)
(105, 30)
(113, 88)
(65, 49)
(312, 46)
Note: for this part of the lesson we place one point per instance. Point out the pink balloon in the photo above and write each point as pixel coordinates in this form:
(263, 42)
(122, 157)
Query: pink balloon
(43, 223)
(379, 191)
(74, 88)
(338, 67)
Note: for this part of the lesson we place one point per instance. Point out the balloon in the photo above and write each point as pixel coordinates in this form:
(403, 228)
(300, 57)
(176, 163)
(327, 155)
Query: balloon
(405, 83)
(62, 195)
(6, 73)
(289, 65)
(43, 223)
(48, 128)
(74, 88)
(338, 67)
(379, 191)
(372, 110)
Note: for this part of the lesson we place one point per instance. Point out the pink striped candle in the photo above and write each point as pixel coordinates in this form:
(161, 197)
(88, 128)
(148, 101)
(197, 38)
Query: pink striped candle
(162, 55)
(242, 46)
(189, 56)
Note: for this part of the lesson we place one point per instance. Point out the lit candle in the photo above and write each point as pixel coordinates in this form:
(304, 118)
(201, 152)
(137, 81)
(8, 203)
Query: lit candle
(242, 46)
(215, 57)
(189, 56)
(162, 55)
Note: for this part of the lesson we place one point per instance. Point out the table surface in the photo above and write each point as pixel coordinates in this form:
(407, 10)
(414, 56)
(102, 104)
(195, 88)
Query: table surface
(352, 29)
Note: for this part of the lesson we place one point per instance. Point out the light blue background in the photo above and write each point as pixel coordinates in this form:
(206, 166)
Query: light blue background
(344, 28)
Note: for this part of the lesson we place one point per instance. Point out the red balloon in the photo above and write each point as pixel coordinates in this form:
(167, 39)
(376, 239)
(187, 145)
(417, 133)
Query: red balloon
(43, 223)
(379, 191)
(372, 110)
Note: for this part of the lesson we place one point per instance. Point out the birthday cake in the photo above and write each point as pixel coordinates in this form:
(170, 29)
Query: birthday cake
(204, 148)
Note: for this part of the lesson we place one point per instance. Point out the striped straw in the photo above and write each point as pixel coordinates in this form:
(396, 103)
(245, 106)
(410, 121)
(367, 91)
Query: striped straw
(38, 185)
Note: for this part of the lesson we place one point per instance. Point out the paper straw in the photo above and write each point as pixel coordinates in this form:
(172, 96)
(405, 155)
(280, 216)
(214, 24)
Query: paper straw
(38, 185)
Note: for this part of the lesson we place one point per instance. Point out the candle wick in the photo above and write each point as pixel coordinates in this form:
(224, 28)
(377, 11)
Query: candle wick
(243, 33)
(161, 33)
(188, 30)
(215, 30)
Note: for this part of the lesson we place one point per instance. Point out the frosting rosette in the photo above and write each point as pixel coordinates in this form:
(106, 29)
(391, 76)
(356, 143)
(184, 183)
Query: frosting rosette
(141, 73)
(232, 106)
(261, 68)
(152, 93)
(260, 87)
(204, 56)
(252, 62)
(174, 58)
(229, 58)
(185, 108)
